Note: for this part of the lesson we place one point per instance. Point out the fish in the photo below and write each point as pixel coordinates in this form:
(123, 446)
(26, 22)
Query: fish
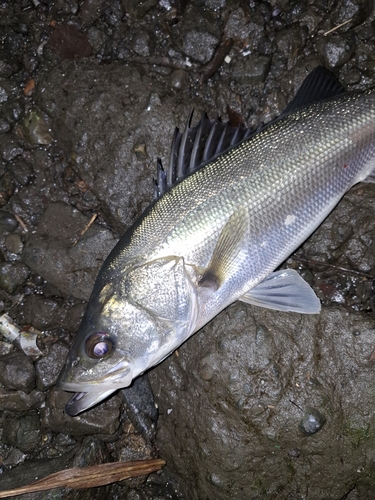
(232, 205)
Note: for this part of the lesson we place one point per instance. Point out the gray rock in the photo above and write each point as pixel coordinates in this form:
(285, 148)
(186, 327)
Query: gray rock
(21, 171)
(108, 158)
(251, 70)
(198, 33)
(236, 380)
(140, 407)
(336, 49)
(179, 79)
(17, 372)
(49, 366)
(5, 347)
(311, 18)
(42, 312)
(23, 432)
(248, 31)
(13, 275)
(113, 12)
(102, 419)
(13, 243)
(8, 66)
(12, 110)
(73, 317)
(4, 92)
(8, 223)
(132, 446)
(15, 457)
(200, 46)
(289, 41)
(4, 126)
(311, 422)
(6, 188)
(90, 11)
(10, 147)
(138, 8)
(58, 253)
(19, 401)
(356, 10)
(141, 43)
(26, 473)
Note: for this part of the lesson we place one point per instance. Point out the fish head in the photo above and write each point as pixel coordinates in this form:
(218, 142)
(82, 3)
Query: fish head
(131, 323)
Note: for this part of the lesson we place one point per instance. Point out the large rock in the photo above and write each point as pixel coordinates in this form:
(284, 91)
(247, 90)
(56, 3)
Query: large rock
(64, 253)
(115, 132)
(232, 401)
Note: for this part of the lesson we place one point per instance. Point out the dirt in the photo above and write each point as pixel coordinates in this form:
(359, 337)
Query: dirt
(257, 405)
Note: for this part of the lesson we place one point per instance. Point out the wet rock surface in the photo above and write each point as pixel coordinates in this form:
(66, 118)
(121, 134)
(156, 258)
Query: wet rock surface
(259, 404)
(17, 372)
(74, 261)
(262, 386)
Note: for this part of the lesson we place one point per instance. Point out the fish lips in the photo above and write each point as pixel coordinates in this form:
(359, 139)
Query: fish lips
(90, 393)
(82, 401)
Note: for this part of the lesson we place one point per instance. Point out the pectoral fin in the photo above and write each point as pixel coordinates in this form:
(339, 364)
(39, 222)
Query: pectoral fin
(284, 291)
(229, 244)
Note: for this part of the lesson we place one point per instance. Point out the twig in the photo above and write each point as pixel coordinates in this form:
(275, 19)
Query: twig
(337, 27)
(220, 55)
(350, 271)
(89, 477)
(21, 223)
(85, 229)
(295, 404)
(159, 61)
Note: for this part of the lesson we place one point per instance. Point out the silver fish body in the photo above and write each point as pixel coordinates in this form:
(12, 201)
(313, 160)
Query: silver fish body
(215, 237)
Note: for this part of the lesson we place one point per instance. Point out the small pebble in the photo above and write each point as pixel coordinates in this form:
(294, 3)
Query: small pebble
(294, 453)
(13, 275)
(14, 243)
(8, 223)
(311, 422)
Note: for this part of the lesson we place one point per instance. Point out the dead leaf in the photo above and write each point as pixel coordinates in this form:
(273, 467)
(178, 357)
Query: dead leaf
(69, 42)
(29, 87)
(235, 118)
(89, 477)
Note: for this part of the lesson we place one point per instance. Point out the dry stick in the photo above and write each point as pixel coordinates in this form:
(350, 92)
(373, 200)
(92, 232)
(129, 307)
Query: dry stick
(21, 223)
(160, 61)
(89, 477)
(220, 55)
(337, 27)
(344, 269)
(85, 229)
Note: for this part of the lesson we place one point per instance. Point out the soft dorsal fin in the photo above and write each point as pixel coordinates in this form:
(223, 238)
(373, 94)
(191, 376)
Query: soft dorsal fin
(196, 146)
(318, 85)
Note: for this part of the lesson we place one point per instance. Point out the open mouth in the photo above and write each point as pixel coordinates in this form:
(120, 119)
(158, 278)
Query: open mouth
(82, 401)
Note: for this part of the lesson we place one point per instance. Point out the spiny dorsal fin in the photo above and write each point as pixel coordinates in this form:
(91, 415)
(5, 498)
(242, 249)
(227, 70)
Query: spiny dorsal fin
(196, 146)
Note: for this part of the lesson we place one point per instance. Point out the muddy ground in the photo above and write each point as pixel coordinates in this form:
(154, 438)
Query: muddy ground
(259, 404)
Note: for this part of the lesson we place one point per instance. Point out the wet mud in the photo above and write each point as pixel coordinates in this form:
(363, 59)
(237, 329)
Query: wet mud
(257, 405)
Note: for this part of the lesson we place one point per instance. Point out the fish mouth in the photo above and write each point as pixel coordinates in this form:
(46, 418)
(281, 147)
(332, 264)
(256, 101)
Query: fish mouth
(89, 393)
(82, 401)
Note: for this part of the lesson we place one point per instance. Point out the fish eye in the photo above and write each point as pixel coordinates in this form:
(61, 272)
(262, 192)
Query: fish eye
(98, 345)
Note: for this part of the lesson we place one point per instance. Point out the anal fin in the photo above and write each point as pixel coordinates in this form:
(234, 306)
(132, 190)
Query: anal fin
(284, 290)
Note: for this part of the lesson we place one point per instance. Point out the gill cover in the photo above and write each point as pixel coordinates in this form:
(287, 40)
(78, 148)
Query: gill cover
(164, 291)
(145, 313)
(164, 288)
